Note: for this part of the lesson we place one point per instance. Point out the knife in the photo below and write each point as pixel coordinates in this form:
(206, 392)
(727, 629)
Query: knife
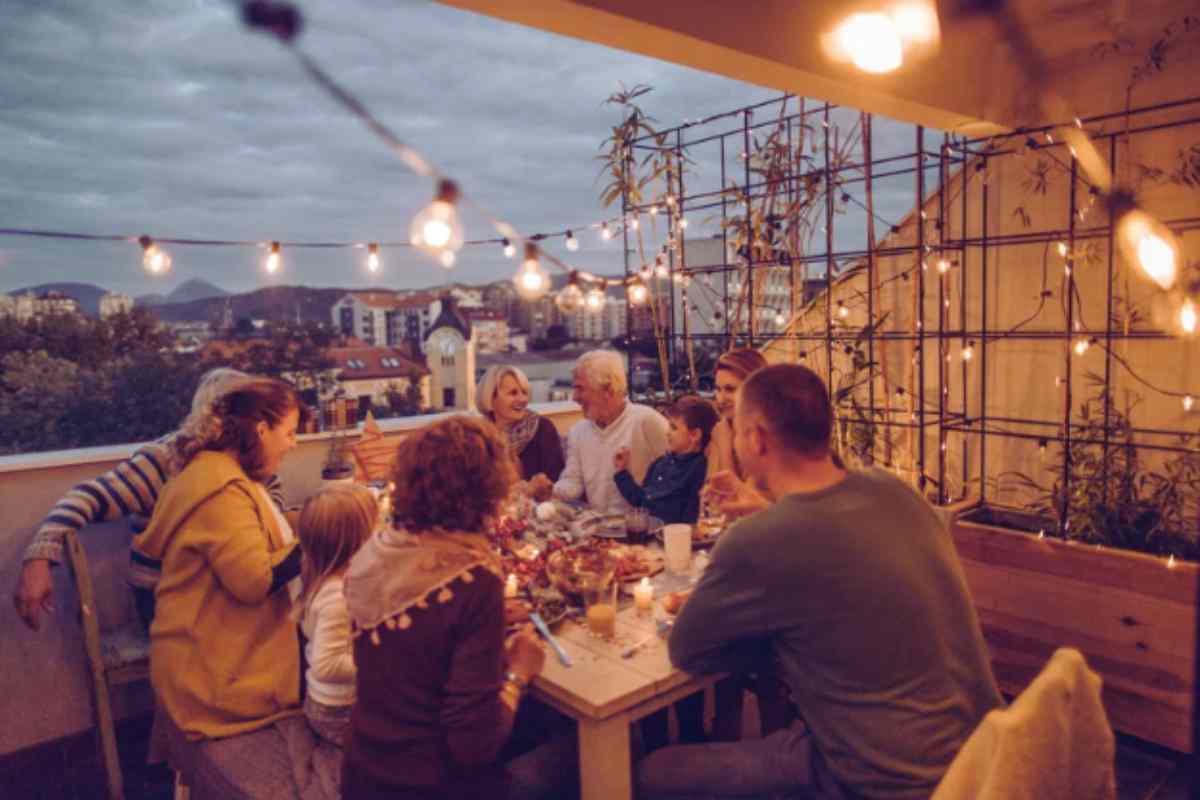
(540, 624)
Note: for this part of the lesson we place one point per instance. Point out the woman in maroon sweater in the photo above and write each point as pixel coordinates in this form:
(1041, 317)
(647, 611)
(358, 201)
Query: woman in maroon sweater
(503, 397)
(438, 686)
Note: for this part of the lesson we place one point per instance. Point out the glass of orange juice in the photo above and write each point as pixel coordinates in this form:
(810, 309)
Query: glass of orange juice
(601, 604)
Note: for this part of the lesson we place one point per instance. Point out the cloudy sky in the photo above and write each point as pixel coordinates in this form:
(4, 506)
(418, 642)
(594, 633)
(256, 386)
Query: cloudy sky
(167, 117)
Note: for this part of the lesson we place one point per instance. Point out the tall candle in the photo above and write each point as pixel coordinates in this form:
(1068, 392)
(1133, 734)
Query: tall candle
(510, 586)
(643, 595)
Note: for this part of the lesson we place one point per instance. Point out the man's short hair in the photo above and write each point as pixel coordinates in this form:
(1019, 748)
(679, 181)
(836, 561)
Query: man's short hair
(794, 405)
(604, 370)
(697, 414)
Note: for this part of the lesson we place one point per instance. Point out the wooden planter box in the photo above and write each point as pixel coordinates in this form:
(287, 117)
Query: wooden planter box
(1132, 617)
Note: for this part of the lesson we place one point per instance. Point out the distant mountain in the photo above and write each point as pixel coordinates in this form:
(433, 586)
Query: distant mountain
(273, 302)
(87, 294)
(194, 289)
(149, 299)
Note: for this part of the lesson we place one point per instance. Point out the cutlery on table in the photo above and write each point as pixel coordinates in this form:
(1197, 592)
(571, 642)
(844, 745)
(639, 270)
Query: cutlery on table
(540, 624)
(633, 648)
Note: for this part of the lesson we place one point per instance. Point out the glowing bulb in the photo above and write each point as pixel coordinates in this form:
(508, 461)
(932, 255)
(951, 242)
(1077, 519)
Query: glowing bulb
(653, 210)
(843, 312)
(943, 265)
(1187, 317)
(683, 223)
(572, 242)
(1157, 259)
(437, 228)
(509, 250)
(605, 231)
(1062, 249)
(570, 298)
(872, 42)
(594, 301)
(447, 258)
(661, 270)
(273, 258)
(154, 258)
(373, 257)
(1145, 241)
(671, 200)
(1188, 402)
(638, 293)
(633, 224)
(1081, 347)
(531, 281)
(968, 352)
(780, 319)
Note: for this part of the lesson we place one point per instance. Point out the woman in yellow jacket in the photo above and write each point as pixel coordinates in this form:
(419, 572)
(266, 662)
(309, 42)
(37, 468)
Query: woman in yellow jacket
(224, 655)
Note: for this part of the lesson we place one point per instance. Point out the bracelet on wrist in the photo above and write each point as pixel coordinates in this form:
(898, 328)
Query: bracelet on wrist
(516, 680)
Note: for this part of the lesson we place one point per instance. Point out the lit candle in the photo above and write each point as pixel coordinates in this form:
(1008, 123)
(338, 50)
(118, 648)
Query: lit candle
(643, 595)
(510, 586)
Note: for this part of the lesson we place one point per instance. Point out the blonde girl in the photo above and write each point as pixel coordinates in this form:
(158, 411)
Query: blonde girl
(333, 525)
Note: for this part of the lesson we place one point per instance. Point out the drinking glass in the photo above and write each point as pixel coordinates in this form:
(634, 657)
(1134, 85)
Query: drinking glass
(601, 613)
(637, 522)
(677, 542)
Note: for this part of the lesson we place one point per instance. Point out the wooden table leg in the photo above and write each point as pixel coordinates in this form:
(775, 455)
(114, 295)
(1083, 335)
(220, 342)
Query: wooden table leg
(605, 761)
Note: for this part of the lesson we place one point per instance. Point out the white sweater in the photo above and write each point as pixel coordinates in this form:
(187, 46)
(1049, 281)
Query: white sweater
(330, 650)
(590, 450)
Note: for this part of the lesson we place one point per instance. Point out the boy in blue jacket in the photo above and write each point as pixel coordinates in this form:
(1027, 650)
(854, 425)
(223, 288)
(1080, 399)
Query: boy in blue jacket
(671, 490)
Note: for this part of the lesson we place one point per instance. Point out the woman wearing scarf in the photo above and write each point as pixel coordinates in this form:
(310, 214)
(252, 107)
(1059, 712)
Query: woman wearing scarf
(438, 685)
(503, 397)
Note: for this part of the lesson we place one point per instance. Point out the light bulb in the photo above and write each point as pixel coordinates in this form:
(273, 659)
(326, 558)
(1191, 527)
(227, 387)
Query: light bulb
(437, 227)
(843, 312)
(1145, 241)
(633, 224)
(570, 298)
(373, 257)
(780, 319)
(683, 223)
(509, 250)
(447, 258)
(1188, 402)
(1187, 317)
(943, 265)
(572, 242)
(661, 270)
(273, 258)
(872, 42)
(670, 200)
(969, 351)
(1062, 249)
(154, 258)
(531, 281)
(1081, 347)
(638, 293)
(653, 211)
(605, 231)
(594, 300)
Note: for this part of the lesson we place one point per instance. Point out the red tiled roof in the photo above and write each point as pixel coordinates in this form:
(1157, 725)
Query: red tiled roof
(481, 314)
(376, 299)
(398, 364)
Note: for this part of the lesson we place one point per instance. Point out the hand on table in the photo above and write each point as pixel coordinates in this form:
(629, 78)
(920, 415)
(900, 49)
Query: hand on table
(34, 593)
(525, 654)
(621, 459)
(673, 603)
(541, 488)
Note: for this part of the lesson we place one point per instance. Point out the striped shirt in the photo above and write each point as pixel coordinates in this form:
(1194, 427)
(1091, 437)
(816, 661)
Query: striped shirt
(128, 490)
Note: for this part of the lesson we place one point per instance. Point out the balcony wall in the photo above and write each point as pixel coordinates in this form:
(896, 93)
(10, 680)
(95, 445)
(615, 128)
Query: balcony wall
(44, 691)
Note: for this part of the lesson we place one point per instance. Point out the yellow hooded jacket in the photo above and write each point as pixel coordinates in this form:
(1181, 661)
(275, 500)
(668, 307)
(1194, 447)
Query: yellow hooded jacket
(224, 653)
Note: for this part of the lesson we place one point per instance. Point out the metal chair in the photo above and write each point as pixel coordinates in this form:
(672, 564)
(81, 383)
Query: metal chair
(116, 657)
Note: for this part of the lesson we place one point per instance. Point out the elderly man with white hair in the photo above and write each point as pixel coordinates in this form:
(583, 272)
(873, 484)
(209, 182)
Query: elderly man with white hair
(611, 423)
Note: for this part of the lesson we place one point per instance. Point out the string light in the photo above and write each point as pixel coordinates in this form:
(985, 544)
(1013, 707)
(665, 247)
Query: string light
(1145, 241)
(531, 280)
(843, 312)
(653, 211)
(596, 297)
(670, 200)
(572, 242)
(969, 351)
(373, 257)
(876, 41)
(273, 258)
(1042, 443)
(943, 265)
(1062, 249)
(447, 258)
(1081, 346)
(437, 229)
(509, 250)
(570, 299)
(1171, 561)
(605, 232)
(683, 223)
(780, 319)
(1188, 316)
(154, 258)
(1188, 402)
(638, 293)
(634, 224)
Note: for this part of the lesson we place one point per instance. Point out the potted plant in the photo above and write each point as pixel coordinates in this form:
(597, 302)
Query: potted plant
(338, 466)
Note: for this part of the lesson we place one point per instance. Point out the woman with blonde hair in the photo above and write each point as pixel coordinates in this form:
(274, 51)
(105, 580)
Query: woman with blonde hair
(503, 397)
(130, 489)
(334, 524)
(733, 368)
(438, 685)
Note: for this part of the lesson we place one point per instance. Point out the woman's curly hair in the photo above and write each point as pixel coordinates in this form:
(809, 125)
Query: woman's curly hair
(452, 475)
(230, 424)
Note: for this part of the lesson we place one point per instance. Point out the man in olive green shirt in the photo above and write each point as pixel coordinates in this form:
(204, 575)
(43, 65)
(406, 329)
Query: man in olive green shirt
(848, 586)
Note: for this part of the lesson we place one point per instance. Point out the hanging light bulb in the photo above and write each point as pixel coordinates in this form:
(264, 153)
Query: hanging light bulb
(653, 211)
(1062, 249)
(447, 258)
(780, 319)
(595, 298)
(645, 273)
(273, 258)
(670, 200)
(843, 312)
(373, 257)
(1042, 449)
(878, 41)
(1145, 241)
(437, 229)
(509, 250)
(638, 293)
(683, 223)
(943, 265)
(531, 281)
(570, 299)
(633, 224)
(1188, 402)
(1188, 317)
(1081, 346)
(572, 242)
(605, 231)
(154, 258)
(968, 352)
(660, 266)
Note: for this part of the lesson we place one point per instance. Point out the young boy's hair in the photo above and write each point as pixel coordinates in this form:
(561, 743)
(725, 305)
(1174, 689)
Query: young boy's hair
(334, 524)
(697, 414)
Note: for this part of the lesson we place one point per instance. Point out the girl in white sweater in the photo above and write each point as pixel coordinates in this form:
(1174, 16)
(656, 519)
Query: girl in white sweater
(333, 525)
